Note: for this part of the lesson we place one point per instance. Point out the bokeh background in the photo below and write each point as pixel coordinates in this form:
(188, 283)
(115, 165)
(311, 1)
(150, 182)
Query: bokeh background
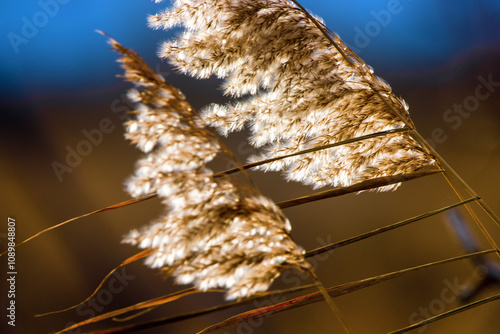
(58, 82)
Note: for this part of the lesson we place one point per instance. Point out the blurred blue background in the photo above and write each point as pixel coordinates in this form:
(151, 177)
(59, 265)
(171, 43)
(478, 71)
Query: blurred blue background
(50, 46)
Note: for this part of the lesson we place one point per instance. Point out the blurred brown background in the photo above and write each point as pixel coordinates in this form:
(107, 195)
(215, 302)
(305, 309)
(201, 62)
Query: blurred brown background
(63, 267)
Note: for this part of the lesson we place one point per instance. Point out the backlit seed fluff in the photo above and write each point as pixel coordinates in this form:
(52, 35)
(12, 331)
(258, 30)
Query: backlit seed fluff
(300, 91)
(214, 233)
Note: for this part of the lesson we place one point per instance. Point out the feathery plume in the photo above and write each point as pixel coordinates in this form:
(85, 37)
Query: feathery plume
(303, 92)
(215, 233)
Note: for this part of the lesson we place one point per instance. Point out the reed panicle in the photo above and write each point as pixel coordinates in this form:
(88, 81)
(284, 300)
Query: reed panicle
(299, 91)
(215, 233)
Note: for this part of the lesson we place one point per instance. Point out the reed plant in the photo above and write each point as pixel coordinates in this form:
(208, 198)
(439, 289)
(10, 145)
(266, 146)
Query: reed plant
(315, 112)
